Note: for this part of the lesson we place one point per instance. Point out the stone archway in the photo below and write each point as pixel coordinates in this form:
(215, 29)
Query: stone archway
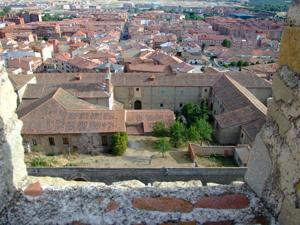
(138, 104)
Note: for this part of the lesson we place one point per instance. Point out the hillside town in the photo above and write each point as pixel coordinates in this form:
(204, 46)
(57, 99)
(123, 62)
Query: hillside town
(166, 76)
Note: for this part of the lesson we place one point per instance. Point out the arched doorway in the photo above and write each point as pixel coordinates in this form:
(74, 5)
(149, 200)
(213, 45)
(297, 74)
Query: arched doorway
(137, 104)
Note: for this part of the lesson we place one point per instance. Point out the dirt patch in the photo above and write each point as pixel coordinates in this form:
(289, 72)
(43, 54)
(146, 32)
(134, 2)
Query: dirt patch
(140, 153)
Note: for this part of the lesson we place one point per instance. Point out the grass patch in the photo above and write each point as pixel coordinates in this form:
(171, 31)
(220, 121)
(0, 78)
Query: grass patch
(216, 161)
(70, 164)
(40, 161)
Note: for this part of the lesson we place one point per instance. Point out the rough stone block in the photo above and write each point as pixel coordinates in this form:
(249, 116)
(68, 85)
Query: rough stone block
(163, 204)
(259, 166)
(227, 222)
(290, 48)
(178, 184)
(233, 201)
(294, 14)
(281, 91)
(180, 223)
(289, 215)
(281, 120)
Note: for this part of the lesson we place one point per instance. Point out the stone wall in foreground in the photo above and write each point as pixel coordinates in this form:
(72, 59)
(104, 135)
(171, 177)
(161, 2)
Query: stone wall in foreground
(274, 169)
(134, 203)
(12, 166)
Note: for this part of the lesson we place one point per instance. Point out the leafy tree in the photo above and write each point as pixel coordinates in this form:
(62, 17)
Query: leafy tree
(160, 129)
(204, 130)
(226, 43)
(192, 16)
(119, 143)
(5, 11)
(245, 64)
(193, 134)
(233, 64)
(162, 145)
(177, 134)
(191, 112)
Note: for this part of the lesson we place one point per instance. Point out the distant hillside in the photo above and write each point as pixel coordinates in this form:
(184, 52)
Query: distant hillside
(270, 5)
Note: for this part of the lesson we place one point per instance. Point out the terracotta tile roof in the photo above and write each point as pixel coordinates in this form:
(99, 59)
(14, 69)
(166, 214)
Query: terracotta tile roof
(62, 113)
(238, 117)
(18, 81)
(263, 68)
(180, 80)
(58, 78)
(79, 33)
(249, 80)
(83, 63)
(147, 67)
(251, 129)
(149, 117)
(234, 96)
(80, 90)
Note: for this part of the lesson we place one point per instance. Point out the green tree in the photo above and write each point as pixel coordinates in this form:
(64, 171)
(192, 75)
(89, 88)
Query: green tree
(234, 64)
(119, 143)
(191, 112)
(204, 130)
(177, 134)
(245, 64)
(162, 145)
(160, 129)
(226, 43)
(192, 133)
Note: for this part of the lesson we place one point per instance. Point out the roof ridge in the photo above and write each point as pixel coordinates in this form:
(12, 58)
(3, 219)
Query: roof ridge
(247, 94)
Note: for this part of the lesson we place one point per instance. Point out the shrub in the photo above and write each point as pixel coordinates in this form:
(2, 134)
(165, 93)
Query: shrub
(162, 145)
(177, 134)
(159, 129)
(226, 43)
(119, 143)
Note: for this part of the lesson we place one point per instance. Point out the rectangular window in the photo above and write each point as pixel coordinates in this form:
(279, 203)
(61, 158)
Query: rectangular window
(34, 142)
(65, 140)
(51, 141)
(104, 140)
(161, 104)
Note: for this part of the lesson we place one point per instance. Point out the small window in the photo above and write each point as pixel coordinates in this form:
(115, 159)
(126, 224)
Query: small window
(180, 104)
(65, 140)
(161, 104)
(104, 140)
(242, 135)
(137, 89)
(34, 142)
(205, 90)
(51, 141)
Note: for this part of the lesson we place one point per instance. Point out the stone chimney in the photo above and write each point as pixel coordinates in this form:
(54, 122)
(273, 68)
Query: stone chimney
(274, 168)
